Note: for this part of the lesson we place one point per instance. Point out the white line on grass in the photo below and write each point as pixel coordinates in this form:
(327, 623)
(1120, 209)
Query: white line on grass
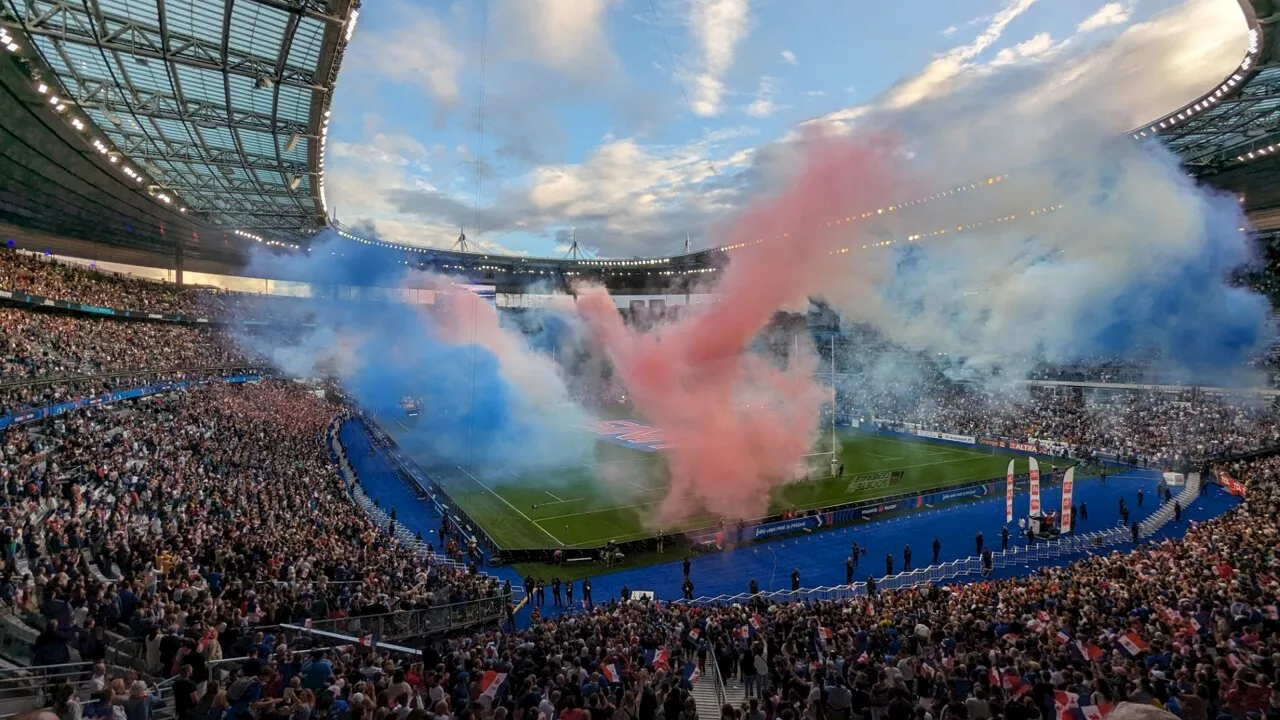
(601, 510)
(553, 496)
(632, 483)
(513, 507)
(561, 502)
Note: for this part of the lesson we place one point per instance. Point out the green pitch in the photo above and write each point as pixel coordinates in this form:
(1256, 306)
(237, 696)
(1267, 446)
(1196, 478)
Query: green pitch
(608, 498)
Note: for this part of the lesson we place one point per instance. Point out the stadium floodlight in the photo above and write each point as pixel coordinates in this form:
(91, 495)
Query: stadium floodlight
(12, 47)
(42, 88)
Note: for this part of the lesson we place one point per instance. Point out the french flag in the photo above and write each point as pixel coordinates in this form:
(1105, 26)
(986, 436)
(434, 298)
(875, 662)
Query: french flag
(1063, 637)
(611, 674)
(1089, 651)
(491, 682)
(690, 673)
(1013, 684)
(659, 658)
(1067, 706)
(826, 634)
(695, 633)
(370, 640)
(1132, 644)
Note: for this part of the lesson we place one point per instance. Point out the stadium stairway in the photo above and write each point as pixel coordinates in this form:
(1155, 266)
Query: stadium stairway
(704, 692)
(734, 691)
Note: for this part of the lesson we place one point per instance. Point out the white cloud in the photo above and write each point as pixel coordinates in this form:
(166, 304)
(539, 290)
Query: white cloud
(789, 57)
(952, 30)
(763, 105)
(566, 35)
(942, 70)
(630, 197)
(717, 27)
(418, 51)
(1037, 48)
(1113, 13)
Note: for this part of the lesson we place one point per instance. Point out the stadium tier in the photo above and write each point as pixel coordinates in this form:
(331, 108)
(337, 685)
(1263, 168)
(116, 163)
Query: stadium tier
(499, 492)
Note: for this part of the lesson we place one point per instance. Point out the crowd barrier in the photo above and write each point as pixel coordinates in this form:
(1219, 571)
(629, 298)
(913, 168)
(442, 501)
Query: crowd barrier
(18, 297)
(35, 414)
(419, 623)
(1018, 556)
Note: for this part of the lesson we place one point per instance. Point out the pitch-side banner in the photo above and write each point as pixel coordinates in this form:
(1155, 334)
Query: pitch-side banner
(1035, 488)
(1068, 482)
(1008, 494)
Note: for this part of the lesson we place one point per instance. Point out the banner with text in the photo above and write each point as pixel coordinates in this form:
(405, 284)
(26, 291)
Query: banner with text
(1035, 488)
(1068, 482)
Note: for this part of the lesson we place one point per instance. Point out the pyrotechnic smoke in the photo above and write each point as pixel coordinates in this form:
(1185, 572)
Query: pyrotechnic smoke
(489, 402)
(738, 424)
(1010, 222)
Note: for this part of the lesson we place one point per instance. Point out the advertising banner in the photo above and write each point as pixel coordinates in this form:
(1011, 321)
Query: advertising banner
(1068, 481)
(1232, 485)
(1008, 494)
(34, 414)
(1035, 488)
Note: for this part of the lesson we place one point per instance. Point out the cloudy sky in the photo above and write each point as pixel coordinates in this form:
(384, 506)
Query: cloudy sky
(636, 122)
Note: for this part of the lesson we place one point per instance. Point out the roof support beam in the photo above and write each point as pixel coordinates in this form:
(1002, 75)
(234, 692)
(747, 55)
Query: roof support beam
(66, 21)
(93, 93)
(314, 9)
(141, 147)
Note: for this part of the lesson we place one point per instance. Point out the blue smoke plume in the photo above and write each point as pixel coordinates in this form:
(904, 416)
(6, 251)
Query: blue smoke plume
(471, 411)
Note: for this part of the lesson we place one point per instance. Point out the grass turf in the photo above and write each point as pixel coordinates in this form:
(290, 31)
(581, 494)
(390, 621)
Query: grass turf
(607, 499)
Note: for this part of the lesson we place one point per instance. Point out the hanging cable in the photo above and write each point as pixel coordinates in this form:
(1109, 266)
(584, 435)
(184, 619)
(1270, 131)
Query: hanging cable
(484, 57)
(675, 70)
(471, 401)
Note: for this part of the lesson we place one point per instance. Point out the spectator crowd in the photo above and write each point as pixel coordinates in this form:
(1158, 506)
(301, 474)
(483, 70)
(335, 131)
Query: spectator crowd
(199, 522)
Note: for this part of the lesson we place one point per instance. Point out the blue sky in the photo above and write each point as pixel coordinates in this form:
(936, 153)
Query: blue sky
(633, 122)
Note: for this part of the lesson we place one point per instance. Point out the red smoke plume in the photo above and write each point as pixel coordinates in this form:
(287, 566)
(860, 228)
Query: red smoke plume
(737, 423)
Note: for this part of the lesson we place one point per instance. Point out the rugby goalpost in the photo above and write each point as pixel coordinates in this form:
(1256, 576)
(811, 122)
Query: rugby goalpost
(820, 465)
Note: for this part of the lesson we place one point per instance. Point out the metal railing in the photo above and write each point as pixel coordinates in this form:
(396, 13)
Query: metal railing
(1017, 556)
(27, 688)
(722, 697)
(422, 622)
(246, 368)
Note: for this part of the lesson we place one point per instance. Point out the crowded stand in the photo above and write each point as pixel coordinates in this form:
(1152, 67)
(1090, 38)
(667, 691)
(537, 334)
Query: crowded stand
(36, 345)
(1187, 626)
(50, 277)
(1154, 429)
(200, 521)
(207, 515)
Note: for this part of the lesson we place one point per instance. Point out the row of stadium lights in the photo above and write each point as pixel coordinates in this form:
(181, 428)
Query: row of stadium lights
(881, 211)
(324, 124)
(113, 156)
(726, 248)
(60, 106)
(1211, 100)
(944, 231)
(258, 238)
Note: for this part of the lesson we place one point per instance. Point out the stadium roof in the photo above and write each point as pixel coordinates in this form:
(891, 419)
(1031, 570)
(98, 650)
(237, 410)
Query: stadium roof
(1230, 137)
(220, 105)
